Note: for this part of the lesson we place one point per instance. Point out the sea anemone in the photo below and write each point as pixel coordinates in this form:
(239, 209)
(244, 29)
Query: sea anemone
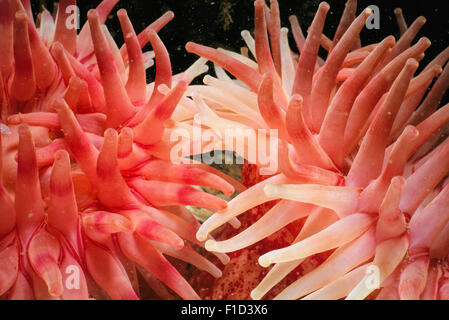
(362, 157)
(89, 196)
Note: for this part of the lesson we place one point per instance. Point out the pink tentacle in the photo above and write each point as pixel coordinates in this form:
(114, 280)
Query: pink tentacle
(43, 252)
(331, 136)
(136, 85)
(151, 129)
(119, 107)
(238, 69)
(112, 188)
(142, 252)
(108, 272)
(183, 174)
(307, 149)
(368, 162)
(326, 79)
(306, 64)
(81, 147)
(163, 76)
(66, 36)
(167, 194)
(28, 199)
(23, 85)
(263, 53)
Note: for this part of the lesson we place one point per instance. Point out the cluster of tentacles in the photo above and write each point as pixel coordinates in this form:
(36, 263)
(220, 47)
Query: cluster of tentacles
(89, 196)
(362, 155)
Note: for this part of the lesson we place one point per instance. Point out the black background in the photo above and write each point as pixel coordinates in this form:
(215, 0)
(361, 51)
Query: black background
(276, 309)
(219, 22)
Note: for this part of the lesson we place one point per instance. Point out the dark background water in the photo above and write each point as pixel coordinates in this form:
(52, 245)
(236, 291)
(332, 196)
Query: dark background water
(218, 23)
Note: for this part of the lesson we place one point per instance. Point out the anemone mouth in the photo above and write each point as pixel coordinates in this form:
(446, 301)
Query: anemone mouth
(357, 138)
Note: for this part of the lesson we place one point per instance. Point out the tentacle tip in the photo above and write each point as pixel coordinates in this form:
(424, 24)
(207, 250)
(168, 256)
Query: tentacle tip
(75, 81)
(122, 12)
(56, 48)
(398, 181)
(189, 46)
(422, 19)
(14, 119)
(297, 98)
(59, 104)
(222, 205)
(229, 191)
(255, 295)
(217, 274)
(24, 130)
(92, 15)
(61, 155)
(178, 245)
(236, 224)
(391, 39)
(53, 280)
(411, 131)
(324, 6)
(170, 14)
(110, 134)
(264, 261)
(225, 259)
(127, 131)
(201, 235)
(210, 245)
(55, 291)
(425, 41)
(412, 63)
(367, 12)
